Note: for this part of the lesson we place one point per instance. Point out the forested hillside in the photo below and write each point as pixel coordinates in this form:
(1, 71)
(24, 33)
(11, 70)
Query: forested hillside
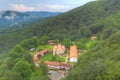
(98, 17)
(100, 63)
(18, 63)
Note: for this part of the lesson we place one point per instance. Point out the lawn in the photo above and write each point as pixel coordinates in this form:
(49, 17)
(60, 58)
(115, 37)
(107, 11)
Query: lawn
(50, 57)
(41, 47)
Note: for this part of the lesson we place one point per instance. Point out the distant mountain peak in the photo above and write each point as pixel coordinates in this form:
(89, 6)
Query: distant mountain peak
(13, 17)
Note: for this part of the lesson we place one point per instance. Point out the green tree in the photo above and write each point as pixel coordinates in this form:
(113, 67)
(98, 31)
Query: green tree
(35, 41)
(90, 45)
(44, 39)
(22, 70)
(80, 45)
(25, 44)
(18, 48)
(8, 75)
(44, 69)
(40, 78)
(17, 52)
(9, 62)
(67, 42)
(3, 67)
(113, 72)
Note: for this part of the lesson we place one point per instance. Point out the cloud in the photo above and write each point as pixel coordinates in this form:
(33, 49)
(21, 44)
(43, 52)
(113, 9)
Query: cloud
(48, 7)
(57, 7)
(21, 7)
(54, 8)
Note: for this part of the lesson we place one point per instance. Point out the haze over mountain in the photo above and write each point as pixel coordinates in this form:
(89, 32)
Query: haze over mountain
(18, 19)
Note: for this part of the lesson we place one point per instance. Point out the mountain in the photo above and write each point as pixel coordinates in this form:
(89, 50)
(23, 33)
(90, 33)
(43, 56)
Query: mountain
(13, 18)
(43, 14)
(99, 18)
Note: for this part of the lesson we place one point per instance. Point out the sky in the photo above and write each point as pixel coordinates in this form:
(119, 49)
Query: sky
(41, 5)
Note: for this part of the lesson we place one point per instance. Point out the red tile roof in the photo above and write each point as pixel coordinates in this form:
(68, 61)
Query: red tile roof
(57, 64)
(39, 53)
(73, 52)
(36, 58)
(42, 52)
(52, 63)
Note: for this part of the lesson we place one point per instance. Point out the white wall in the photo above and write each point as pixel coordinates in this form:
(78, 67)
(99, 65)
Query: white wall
(73, 59)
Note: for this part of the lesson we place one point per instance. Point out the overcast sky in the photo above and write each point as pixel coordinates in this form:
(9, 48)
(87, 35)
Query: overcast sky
(41, 5)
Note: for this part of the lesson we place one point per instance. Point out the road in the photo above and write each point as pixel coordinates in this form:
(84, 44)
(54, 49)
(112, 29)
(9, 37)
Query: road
(56, 75)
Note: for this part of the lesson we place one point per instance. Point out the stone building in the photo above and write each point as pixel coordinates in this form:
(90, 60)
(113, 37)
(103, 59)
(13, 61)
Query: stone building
(59, 49)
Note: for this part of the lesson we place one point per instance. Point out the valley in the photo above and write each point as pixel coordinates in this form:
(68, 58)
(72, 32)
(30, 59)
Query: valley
(80, 44)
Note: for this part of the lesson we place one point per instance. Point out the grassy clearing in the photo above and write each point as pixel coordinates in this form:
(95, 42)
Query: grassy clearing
(50, 57)
(49, 47)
